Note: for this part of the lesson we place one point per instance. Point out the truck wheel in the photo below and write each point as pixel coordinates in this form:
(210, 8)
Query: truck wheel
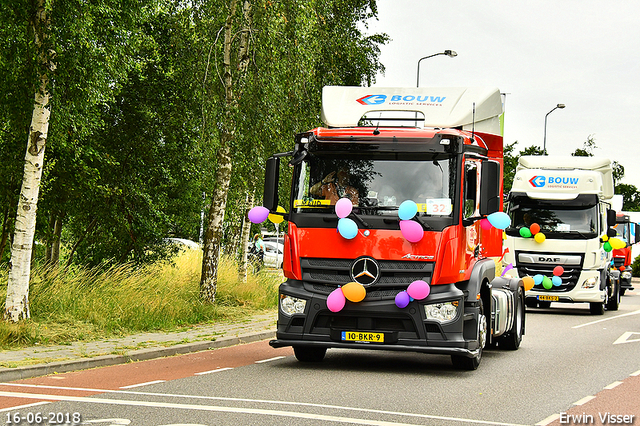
(466, 363)
(614, 300)
(309, 353)
(596, 308)
(622, 291)
(513, 339)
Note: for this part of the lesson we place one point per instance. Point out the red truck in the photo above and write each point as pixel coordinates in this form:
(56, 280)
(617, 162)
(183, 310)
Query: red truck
(627, 231)
(394, 227)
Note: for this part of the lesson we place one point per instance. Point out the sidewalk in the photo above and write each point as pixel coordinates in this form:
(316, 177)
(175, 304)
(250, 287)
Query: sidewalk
(138, 347)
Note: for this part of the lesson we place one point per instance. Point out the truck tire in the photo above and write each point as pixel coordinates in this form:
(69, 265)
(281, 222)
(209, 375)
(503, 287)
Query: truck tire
(465, 363)
(512, 340)
(309, 353)
(613, 302)
(622, 291)
(596, 308)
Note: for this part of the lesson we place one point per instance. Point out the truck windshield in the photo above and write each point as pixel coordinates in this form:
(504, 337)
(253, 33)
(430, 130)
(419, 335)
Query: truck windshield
(557, 219)
(375, 186)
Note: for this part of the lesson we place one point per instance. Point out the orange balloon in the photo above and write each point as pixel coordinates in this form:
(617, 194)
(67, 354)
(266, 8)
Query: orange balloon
(534, 228)
(354, 292)
(528, 283)
(622, 268)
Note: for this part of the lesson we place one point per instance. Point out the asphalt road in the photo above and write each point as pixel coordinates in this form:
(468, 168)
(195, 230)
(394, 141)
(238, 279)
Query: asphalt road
(567, 357)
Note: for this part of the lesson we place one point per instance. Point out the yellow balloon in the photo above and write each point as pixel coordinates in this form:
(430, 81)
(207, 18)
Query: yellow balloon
(354, 292)
(276, 218)
(528, 282)
(605, 237)
(617, 243)
(540, 237)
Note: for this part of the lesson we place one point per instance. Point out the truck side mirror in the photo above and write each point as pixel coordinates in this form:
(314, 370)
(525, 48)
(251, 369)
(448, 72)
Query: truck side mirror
(271, 178)
(637, 234)
(490, 187)
(611, 217)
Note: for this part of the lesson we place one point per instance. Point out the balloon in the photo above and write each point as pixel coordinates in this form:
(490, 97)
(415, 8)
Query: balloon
(485, 224)
(617, 243)
(547, 283)
(622, 268)
(347, 228)
(507, 268)
(343, 207)
(258, 214)
(336, 300)
(407, 210)
(499, 219)
(418, 289)
(538, 279)
(556, 280)
(354, 292)
(277, 218)
(607, 246)
(605, 238)
(534, 228)
(528, 283)
(402, 299)
(525, 232)
(558, 270)
(540, 237)
(411, 230)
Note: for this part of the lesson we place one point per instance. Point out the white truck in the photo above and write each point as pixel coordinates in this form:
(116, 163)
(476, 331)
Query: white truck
(561, 217)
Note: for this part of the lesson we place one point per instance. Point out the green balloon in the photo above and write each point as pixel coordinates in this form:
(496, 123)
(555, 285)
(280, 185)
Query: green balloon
(525, 232)
(547, 283)
(607, 246)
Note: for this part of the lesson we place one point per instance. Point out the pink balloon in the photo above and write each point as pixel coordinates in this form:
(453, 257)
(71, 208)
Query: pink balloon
(418, 289)
(485, 224)
(336, 300)
(343, 207)
(402, 299)
(411, 230)
(258, 214)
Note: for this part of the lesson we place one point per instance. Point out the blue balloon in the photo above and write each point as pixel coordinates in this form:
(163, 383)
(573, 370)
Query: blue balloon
(407, 210)
(347, 228)
(556, 280)
(537, 279)
(499, 220)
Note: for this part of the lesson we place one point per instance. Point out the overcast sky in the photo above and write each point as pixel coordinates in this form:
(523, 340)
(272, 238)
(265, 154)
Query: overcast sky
(581, 53)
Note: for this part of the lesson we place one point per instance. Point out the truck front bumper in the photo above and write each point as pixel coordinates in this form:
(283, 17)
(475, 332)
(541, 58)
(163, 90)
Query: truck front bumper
(580, 293)
(406, 329)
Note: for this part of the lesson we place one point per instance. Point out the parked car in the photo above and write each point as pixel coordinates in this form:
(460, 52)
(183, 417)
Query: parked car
(273, 254)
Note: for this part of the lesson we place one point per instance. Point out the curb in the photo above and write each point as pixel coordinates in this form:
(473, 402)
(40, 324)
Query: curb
(27, 372)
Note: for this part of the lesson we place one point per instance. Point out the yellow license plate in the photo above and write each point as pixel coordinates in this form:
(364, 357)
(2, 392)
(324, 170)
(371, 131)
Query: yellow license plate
(549, 298)
(362, 336)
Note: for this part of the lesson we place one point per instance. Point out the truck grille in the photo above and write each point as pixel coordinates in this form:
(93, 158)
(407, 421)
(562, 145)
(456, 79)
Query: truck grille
(618, 262)
(325, 275)
(569, 277)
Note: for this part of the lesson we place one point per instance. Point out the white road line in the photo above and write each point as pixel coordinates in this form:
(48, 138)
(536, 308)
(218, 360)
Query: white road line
(238, 410)
(625, 338)
(584, 400)
(142, 384)
(637, 373)
(213, 371)
(20, 407)
(548, 420)
(607, 319)
(270, 359)
(613, 385)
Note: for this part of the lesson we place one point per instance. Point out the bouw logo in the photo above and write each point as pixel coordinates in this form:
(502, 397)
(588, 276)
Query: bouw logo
(537, 181)
(372, 99)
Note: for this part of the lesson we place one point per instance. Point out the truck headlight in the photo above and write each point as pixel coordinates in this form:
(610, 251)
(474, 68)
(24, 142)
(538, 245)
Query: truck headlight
(442, 312)
(626, 275)
(290, 305)
(590, 282)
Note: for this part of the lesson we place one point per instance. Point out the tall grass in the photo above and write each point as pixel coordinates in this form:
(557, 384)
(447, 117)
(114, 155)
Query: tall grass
(87, 304)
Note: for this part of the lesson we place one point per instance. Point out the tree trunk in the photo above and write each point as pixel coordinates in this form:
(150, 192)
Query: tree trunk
(55, 243)
(17, 302)
(245, 234)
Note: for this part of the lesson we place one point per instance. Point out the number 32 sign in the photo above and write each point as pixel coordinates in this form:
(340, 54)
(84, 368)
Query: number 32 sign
(439, 206)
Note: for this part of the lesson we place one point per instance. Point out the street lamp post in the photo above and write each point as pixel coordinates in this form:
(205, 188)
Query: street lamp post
(449, 53)
(544, 148)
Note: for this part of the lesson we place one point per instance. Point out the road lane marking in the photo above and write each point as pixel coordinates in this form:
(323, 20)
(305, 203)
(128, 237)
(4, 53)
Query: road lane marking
(270, 402)
(213, 371)
(607, 319)
(155, 382)
(613, 385)
(584, 400)
(270, 359)
(548, 420)
(637, 373)
(20, 407)
(625, 338)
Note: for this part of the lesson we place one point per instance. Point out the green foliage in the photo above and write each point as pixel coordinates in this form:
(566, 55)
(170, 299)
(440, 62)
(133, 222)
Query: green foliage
(635, 267)
(511, 162)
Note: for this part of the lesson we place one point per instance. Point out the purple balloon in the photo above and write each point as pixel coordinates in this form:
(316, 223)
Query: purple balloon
(402, 299)
(258, 214)
(336, 300)
(343, 207)
(411, 230)
(418, 289)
